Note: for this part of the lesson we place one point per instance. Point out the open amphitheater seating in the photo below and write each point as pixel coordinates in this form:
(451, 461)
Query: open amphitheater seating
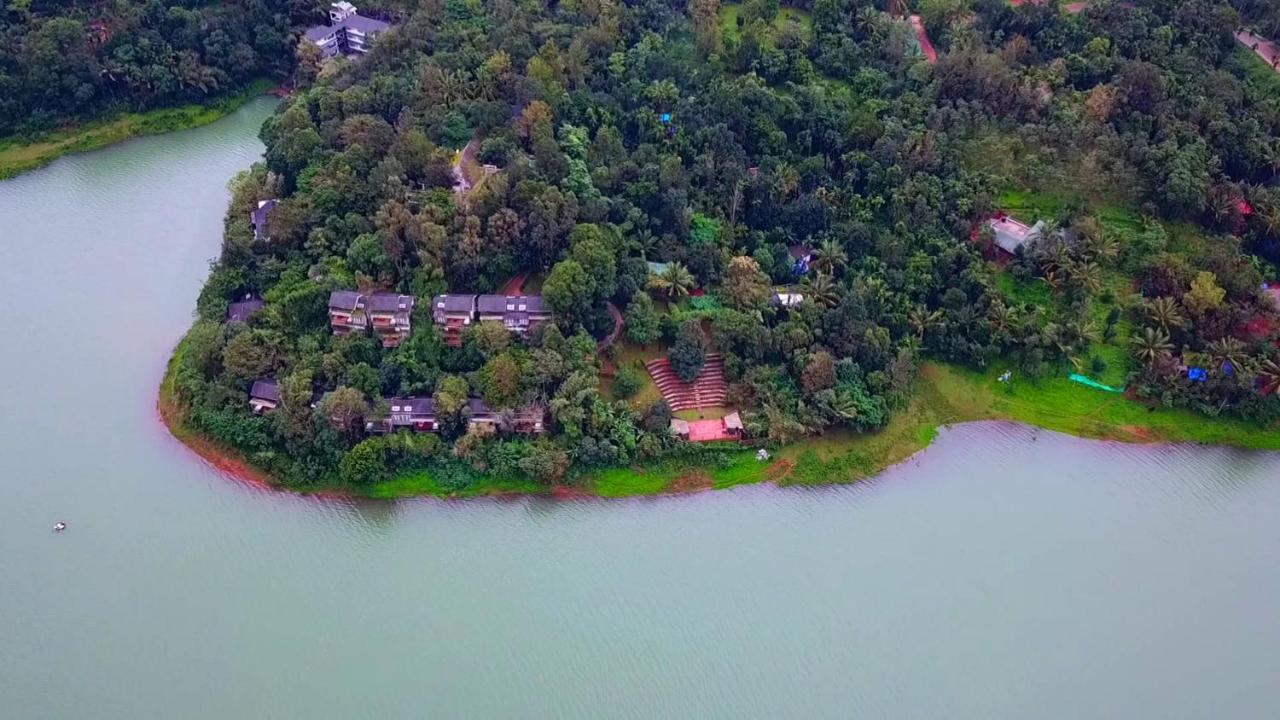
(706, 390)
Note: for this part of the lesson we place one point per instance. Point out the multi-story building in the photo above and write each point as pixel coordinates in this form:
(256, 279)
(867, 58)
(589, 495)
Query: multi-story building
(389, 314)
(348, 32)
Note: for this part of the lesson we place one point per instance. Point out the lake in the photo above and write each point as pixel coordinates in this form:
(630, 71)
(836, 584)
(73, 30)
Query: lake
(1003, 573)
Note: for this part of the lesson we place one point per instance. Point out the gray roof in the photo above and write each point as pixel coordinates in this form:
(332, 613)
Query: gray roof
(319, 32)
(243, 310)
(265, 389)
(454, 303)
(366, 25)
(412, 405)
(505, 304)
(477, 407)
(1011, 234)
(259, 215)
(389, 303)
(344, 299)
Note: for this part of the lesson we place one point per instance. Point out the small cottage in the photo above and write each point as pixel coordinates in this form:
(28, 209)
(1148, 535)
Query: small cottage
(1011, 234)
(732, 424)
(785, 299)
(264, 396)
(258, 218)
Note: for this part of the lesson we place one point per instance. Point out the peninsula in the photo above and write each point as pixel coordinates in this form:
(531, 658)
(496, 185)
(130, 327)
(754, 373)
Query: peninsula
(623, 249)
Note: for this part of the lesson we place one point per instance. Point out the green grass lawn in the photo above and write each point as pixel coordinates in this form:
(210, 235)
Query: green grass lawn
(730, 12)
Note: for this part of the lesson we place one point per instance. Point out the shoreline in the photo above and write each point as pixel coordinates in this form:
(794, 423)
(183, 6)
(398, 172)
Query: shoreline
(19, 157)
(944, 397)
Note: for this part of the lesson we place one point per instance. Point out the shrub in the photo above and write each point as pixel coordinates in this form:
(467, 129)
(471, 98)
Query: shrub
(627, 383)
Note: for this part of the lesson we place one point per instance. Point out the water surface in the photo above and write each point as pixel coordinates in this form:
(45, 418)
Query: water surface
(1004, 573)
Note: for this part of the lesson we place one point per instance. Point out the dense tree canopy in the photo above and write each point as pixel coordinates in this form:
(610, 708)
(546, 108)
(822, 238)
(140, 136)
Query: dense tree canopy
(807, 149)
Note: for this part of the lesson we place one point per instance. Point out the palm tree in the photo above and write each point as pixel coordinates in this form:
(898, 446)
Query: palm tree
(922, 319)
(1102, 246)
(821, 288)
(1228, 350)
(1269, 374)
(1002, 317)
(675, 281)
(1087, 275)
(1163, 311)
(1150, 346)
(830, 255)
(868, 21)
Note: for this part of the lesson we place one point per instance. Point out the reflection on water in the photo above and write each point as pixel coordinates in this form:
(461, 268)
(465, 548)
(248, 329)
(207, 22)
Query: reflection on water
(1004, 573)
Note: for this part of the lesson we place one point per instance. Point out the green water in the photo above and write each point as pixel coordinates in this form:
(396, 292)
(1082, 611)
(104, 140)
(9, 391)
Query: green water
(1004, 573)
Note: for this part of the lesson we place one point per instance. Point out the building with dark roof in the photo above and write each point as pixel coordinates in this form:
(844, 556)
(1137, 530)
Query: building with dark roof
(477, 412)
(346, 312)
(390, 315)
(259, 216)
(453, 313)
(406, 413)
(243, 310)
(264, 396)
(348, 32)
(517, 313)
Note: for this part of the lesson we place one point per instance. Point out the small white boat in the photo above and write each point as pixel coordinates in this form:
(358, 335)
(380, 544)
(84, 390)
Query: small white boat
(59, 527)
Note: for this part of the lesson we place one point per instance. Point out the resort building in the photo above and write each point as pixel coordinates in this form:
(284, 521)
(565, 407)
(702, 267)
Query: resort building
(243, 310)
(1011, 234)
(453, 313)
(347, 312)
(264, 396)
(406, 413)
(348, 32)
(258, 218)
(478, 413)
(389, 314)
(517, 313)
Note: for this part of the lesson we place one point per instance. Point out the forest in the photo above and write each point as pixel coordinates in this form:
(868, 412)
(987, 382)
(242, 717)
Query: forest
(673, 161)
(66, 61)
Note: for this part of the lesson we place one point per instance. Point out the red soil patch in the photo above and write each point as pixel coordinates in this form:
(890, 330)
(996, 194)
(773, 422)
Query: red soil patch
(691, 482)
(926, 47)
(779, 470)
(1141, 434)
(224, 460)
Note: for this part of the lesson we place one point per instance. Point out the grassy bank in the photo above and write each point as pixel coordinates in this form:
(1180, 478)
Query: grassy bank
(944, 395)
(18, 156)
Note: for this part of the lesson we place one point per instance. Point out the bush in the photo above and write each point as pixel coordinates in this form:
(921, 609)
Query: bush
(1098, 365)
(627, 382)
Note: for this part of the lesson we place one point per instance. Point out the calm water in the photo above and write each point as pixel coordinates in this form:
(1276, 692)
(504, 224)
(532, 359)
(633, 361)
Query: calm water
(1004, 573)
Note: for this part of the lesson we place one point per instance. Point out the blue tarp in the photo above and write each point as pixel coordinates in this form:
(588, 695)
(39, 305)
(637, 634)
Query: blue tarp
(1197, 374)
(666, 117)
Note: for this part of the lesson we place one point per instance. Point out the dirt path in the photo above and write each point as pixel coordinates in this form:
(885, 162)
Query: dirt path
(461, 163)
